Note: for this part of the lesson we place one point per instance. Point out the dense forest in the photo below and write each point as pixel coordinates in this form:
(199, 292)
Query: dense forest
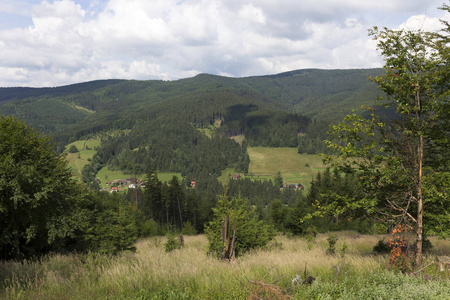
(185, 126)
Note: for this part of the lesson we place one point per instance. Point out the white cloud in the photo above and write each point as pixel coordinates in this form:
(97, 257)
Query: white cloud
(73, 41)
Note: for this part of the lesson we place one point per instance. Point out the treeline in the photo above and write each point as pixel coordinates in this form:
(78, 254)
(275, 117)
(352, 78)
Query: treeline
(175, 205)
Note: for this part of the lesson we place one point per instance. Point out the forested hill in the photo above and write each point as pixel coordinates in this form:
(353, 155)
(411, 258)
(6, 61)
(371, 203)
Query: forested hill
(318, 94)
(171, 125)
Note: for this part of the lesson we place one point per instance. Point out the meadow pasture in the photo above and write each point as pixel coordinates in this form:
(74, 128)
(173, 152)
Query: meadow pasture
(189, 273)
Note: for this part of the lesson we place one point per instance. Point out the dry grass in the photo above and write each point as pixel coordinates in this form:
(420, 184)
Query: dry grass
(187, 272)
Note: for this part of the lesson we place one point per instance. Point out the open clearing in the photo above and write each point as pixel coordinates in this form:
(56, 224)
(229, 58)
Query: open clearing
(294, 167)
(264, 164)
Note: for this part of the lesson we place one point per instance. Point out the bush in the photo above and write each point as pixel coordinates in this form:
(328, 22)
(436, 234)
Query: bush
(172, 242)
(251, 233)
(332, 240)
(188, 229)
(382, 247)
(73, 149)
(150, 228)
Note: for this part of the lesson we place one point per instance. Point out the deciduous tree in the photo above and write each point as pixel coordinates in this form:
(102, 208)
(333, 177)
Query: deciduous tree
(39, 200)
(393, 160)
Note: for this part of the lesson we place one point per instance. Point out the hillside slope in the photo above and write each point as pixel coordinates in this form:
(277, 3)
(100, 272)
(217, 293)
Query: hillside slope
(184, 125)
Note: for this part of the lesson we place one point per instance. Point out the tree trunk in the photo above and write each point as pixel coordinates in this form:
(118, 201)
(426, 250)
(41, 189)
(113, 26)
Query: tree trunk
(179, 210)
(419, 182)
(419, 207)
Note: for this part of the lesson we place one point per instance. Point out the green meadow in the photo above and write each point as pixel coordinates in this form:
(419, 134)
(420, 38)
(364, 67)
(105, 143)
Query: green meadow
(86, 150)
(106, 175)
(294, 167)
(354, 272)
(264, 164)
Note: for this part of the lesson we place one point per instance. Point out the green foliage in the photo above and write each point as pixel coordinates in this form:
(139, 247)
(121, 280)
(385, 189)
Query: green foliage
(343, 249)
(251, 233)
(172, 242)
(278, 179)
(328, 198)
(40, 205)
(150, 228)
(393, 160)
(375, 285)
(332, 240)
(114, 228)
(188, 229)
(382, 247)
(73, 149)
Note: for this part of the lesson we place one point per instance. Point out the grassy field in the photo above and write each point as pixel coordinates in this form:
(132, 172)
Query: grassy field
(266, 162)
(188, 273)
(106, 175)
(294, 167)
(86, 150)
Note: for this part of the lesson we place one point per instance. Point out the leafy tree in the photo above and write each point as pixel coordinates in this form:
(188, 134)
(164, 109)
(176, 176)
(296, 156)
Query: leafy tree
(251, 233)
(390, 159)
(39, 201)
(73, 149)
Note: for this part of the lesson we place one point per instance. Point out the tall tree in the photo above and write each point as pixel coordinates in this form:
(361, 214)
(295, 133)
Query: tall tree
(389, 158)
(39, 200)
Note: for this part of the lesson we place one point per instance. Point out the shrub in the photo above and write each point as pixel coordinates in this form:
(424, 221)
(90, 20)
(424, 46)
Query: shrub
(188, 229)
(400, 254)
(73, 149)
(382, 247)
(343, 249)
(251, 232)
(332, 240)
(172, 242)
(150, 228)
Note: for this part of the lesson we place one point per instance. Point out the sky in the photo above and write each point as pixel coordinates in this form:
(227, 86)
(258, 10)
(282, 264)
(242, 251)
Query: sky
(53, 43)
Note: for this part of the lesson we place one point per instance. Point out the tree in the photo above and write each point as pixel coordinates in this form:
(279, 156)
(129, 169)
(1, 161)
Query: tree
(250, 232)
(39, 200)
(278, 180)
(152, 206)
(73, 149)
(390, 159)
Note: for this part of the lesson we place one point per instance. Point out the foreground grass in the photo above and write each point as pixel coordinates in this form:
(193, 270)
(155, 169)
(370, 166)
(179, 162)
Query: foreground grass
(189, 273)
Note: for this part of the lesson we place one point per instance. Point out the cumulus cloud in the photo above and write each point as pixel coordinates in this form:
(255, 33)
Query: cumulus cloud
(68, 41)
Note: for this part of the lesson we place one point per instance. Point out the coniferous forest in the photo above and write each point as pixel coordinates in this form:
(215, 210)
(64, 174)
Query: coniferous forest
(383, 135)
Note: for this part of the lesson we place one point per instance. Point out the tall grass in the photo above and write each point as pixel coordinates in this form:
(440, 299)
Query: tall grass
(188, 273)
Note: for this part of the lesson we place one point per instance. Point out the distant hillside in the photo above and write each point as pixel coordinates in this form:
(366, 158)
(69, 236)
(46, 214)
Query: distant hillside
(184, 125)
(318, 94)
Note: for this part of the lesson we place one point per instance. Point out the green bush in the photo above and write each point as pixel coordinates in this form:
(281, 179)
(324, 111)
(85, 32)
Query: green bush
(382, 247)
(73, 149)
(172, 242)
(251, 232)
(188, 229)
(150, 228)
(332, 240)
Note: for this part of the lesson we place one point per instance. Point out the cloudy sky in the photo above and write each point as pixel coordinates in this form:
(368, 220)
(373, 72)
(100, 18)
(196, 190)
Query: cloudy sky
(53, 43)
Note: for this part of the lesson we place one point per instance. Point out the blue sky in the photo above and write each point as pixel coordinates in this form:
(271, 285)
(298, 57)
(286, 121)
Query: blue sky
(52, 43)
